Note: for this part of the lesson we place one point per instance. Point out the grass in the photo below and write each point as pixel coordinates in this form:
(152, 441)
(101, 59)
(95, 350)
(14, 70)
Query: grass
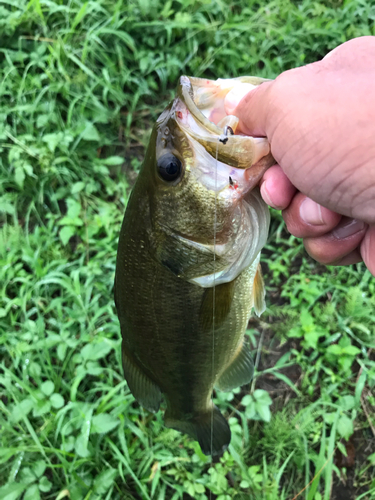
(81, 84)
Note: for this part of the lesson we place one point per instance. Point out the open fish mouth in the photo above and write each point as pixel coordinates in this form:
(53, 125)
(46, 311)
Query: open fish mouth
(231, 182)
(227, 163)
(225, 159)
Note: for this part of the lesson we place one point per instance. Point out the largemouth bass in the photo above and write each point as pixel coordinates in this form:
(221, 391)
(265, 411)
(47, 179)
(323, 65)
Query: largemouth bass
(188, 273)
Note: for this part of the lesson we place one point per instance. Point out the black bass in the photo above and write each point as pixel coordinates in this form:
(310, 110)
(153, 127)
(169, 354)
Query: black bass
(188, 273)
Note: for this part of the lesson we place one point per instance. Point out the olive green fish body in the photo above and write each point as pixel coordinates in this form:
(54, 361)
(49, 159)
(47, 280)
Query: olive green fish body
(187, 276)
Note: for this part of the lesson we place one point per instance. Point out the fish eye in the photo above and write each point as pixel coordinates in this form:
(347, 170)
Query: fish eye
(169, 167)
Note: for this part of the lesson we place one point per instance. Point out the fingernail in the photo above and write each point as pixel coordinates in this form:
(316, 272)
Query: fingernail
(348, 228)
(311, 212)
(234, 97)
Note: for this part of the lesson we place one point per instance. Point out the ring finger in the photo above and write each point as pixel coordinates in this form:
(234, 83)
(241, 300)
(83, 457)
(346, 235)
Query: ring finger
(339, 246)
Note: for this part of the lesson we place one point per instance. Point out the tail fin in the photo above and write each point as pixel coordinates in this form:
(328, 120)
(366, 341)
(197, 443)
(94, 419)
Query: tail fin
(199, 428)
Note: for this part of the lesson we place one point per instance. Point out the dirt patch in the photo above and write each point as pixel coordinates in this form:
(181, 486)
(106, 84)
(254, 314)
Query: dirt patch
(271, 349)
(356, 475)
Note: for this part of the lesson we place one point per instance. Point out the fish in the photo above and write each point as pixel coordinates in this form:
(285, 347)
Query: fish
(187, 270)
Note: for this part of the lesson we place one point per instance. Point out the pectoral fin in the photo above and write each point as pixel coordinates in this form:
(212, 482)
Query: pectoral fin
(259, 292)
(239, 372)
(209, 312)
(143, 389)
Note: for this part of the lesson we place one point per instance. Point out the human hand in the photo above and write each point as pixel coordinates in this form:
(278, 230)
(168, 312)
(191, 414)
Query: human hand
(320, 121)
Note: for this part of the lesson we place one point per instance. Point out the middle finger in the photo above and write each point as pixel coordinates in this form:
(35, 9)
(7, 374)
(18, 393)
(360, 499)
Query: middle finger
(304, 218)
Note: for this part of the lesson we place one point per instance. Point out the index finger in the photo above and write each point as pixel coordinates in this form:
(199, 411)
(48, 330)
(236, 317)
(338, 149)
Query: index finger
(250, 105)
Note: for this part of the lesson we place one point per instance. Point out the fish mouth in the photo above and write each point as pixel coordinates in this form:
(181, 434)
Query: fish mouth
(224, 159)
(231, 182)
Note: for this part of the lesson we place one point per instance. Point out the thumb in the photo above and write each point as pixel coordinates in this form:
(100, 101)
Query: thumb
(250, 104)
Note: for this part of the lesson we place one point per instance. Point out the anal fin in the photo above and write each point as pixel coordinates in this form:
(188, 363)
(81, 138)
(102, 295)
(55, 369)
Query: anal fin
(239, 372)
(145, 391)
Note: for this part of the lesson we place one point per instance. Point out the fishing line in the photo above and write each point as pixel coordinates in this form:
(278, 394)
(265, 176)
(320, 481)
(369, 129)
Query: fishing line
(223, 139)
(213, 306)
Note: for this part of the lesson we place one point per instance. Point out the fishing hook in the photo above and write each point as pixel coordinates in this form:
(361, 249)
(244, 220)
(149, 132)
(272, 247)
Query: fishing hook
(224, 137)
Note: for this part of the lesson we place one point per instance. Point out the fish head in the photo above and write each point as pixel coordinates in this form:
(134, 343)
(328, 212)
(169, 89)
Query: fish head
(207, 221)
